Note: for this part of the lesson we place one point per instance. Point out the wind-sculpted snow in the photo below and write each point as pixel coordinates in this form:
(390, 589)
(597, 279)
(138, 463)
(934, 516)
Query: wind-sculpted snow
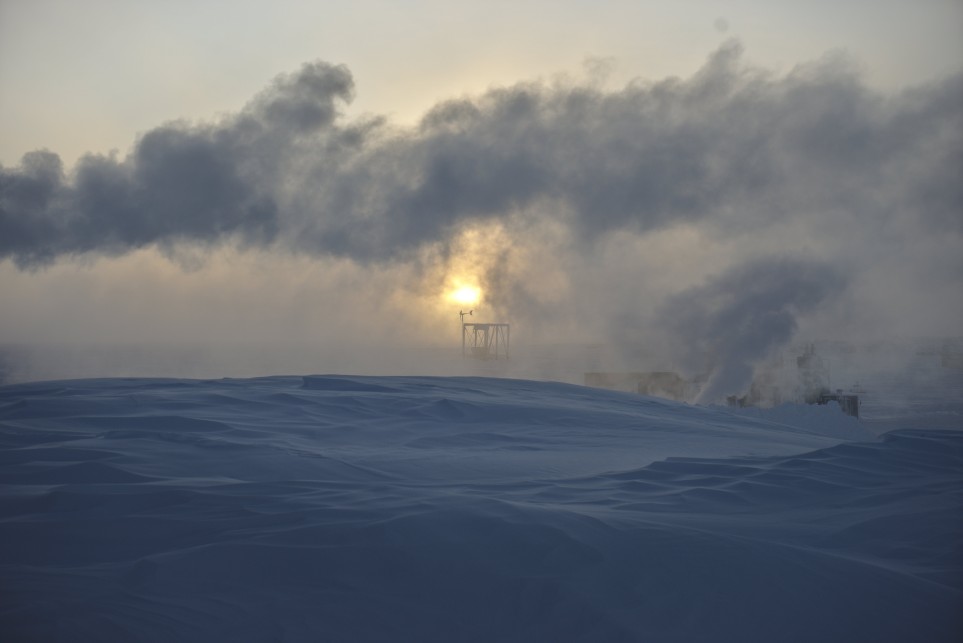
(464, 509)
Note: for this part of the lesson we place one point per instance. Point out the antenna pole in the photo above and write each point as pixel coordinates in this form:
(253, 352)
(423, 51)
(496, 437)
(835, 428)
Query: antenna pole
(461, 315)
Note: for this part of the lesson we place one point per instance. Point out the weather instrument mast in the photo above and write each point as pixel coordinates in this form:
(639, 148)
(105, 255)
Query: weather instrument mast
(484, 341)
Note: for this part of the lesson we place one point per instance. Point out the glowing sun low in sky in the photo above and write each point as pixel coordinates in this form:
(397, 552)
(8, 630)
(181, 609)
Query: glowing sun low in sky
(465, 295)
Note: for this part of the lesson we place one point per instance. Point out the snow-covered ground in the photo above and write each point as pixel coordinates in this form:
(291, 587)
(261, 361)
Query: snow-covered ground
(336, 508)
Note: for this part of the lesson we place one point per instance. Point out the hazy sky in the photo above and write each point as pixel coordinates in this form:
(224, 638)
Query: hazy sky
(89, 76)
(708, 175)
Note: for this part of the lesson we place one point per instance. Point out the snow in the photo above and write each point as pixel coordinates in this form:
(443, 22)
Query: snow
(375, 508)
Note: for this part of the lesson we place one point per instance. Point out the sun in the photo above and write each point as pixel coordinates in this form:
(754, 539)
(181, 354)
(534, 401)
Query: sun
(465, 295)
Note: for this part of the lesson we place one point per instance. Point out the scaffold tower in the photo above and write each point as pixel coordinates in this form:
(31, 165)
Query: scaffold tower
(485, 341)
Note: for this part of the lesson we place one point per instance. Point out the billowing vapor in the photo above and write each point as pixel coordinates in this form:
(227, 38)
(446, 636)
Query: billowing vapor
(606, 212)
(731, 323)
(182, 182)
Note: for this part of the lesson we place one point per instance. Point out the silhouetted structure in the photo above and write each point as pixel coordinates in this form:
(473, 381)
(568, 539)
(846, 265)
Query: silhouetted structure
(848, 403)
(485, 341)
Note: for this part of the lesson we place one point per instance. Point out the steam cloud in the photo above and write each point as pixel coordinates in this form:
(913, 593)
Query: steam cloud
(736, 319)
(812, 164)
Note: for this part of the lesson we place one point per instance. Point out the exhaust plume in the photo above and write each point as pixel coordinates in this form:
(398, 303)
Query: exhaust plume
(729, 324)
(592, 212)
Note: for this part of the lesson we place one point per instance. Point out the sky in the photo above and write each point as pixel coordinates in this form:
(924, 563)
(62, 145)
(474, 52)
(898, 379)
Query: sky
(711, 178)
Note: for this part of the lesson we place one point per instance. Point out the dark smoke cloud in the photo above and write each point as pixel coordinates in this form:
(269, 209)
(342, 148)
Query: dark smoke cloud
(808, 164)
(728, 325)
(182, 182)
(732, 146)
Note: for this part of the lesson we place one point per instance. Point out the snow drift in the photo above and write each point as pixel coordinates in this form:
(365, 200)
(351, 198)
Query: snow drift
(471, 509)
